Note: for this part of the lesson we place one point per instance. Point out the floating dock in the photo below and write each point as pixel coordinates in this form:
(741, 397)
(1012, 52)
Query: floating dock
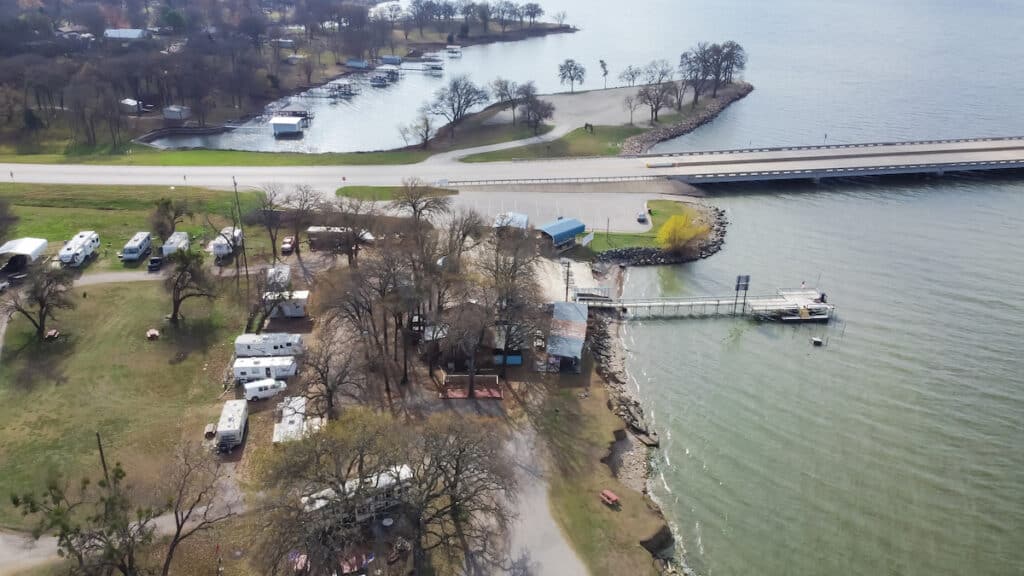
(801, 305)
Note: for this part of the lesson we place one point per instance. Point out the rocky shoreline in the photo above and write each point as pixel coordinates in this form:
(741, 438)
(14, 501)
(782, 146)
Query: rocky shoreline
(658, 257)
(640, 143)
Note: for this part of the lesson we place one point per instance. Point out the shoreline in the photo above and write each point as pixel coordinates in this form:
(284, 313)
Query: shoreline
(641, 143)
(639, 256)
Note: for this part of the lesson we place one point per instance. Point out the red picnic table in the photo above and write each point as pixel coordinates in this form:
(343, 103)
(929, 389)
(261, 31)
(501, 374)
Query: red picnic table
(609, 498)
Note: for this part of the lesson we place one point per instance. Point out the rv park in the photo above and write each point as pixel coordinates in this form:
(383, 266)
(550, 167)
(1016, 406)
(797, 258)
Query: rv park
(327, 360)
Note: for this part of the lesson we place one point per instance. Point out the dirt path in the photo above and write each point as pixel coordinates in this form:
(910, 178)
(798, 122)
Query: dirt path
(538, 546)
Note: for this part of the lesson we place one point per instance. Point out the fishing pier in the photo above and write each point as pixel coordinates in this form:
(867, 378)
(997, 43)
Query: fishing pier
(796, 306)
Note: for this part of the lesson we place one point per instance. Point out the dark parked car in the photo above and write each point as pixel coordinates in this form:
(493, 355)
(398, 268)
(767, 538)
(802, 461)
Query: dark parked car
(155, 263)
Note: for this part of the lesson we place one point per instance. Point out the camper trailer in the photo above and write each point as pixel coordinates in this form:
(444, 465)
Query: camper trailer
(294, 424)
(227, 241)
(275, 344)
(137, 248)
(257, 368)
(380, 493)
(289, 304)
(263, 389)
(279, 278)
(232, 424)
(177, 242)
(80, 248)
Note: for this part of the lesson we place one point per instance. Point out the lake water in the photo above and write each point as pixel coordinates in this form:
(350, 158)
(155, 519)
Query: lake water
(899, 447)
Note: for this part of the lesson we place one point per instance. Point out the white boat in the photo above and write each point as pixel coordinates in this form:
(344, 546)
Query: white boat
(379, 81)
(454, 51)
(433, 68)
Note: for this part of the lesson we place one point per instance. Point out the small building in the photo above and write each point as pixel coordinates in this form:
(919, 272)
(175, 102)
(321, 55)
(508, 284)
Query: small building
(357, 63)
(515, 352)
(511, 220)
(131, 106)
(393, 60)
(176, 113)
(126, 34)
(289, 304)
(563, 232)
(566, 336)
(21, 252)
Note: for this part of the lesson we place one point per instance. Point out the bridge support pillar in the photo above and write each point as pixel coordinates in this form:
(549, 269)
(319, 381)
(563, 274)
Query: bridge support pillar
(940, 173)
(816, 180)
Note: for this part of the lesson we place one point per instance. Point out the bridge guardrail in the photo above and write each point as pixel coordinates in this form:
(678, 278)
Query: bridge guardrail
(830, 146)
(583, 179)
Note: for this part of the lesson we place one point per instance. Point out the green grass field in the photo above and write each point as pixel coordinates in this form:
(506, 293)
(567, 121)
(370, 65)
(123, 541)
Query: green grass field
(605, 141)
(57, 212)
(104, 376)
(661, 211)
(386, 193)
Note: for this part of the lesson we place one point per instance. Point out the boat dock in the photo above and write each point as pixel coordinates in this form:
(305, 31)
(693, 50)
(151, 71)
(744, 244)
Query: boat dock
(800, 305)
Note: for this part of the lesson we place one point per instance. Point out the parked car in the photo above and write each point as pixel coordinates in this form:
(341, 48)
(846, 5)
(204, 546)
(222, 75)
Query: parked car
(641, 217)
(155, 263)
(288, 245)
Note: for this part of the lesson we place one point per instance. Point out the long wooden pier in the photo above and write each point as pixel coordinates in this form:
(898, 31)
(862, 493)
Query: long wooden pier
(802, 305)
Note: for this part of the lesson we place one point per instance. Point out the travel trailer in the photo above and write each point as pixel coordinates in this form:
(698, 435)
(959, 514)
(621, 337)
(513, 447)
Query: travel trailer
(294, 424)
(227, 241)
(80, 248)
(263, 389)
(277, 367)
(274, 344)
(137, 248)
(380, 493)
(232, 424)
(289, 304)
(175, 243)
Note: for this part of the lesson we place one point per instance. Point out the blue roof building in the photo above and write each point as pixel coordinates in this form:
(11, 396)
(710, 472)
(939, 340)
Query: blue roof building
(563, 231)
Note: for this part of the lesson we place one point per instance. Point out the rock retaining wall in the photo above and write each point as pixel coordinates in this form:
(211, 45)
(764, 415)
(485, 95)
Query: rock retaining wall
(658, 257)
(640, 143)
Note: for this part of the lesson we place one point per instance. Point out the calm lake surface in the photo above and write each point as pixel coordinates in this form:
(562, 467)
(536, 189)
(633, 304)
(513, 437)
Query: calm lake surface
(899, 447)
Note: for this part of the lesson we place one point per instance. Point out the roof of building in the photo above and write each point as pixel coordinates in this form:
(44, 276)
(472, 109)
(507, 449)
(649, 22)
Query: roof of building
(568, 329)
(31, 247)
(286, 121)
(511, 220)
(563, 230)
(125, 33)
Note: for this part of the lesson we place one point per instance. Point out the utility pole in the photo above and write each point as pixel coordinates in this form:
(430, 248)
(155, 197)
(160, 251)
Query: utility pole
(568, 271)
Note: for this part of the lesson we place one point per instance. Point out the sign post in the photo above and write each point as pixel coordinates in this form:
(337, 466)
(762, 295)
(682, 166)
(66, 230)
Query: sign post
(742, 284)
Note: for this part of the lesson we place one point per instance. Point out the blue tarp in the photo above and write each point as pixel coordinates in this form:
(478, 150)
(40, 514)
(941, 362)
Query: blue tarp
(564, 230)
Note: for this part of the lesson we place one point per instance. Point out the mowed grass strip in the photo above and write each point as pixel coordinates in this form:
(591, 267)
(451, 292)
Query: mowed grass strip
(661, 211)
(579, 433)
(386, 193)
(104, 376)
(57, 212)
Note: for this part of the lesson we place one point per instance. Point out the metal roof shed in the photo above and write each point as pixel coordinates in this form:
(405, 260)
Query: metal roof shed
(563, 231)
(31, 248)
(568, 332)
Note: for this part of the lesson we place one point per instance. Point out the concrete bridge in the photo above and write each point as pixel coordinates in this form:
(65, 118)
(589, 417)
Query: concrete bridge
(936, 157)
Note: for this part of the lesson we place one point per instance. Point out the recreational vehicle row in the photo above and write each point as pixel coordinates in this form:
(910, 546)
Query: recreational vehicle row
(80, 248)
(137, 248)
(276, 367)
(274, 344)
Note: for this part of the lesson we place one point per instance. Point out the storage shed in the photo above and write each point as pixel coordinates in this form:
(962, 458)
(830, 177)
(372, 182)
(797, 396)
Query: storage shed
(21, 252)
(563, 232)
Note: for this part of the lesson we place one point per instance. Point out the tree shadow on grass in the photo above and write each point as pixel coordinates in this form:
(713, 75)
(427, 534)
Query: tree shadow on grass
(190, 335)
(38, 362)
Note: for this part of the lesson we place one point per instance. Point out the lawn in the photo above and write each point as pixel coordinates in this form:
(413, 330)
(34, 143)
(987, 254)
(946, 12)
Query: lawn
(661, 211)
(104, 376)
(57, 212)
(386, 193)
(579, 432)
(605, 141)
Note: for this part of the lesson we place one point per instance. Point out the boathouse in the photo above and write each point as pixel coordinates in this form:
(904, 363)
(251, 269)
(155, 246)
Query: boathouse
(566, 336)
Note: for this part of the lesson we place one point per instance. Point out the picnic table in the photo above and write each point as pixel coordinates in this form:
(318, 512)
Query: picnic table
(609, 498)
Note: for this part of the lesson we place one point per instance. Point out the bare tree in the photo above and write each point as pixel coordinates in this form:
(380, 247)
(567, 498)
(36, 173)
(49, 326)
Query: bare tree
(332, 372)
(532, 10)
(194, 497)
(420, 130)
(167, 215)
(631, 103)
(417, 199)
(47, 290)
(658, 89)
(604, 72)
(301, 207)
(454, 101)
(571, 72)
(560, 18)
(269, 213)
(696, 69)
(509, 270)
(506, 92)
(630, 74)
(535, 111)
(188, 279)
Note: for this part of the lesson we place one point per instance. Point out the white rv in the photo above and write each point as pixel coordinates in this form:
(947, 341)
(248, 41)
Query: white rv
(227, 241)
(379, 493)
(177, 242)
(232, 424)
(263, 389)
(277, 367)
(137, 247)
(80, 248)
(274, 344)
(289, 304)
(294, 424)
